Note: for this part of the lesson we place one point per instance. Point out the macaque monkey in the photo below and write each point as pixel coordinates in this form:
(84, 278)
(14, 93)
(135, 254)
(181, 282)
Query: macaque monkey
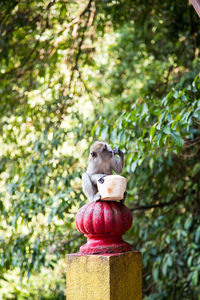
(102, 161)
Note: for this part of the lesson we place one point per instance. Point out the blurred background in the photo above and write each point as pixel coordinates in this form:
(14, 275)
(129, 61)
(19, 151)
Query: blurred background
(72, 72)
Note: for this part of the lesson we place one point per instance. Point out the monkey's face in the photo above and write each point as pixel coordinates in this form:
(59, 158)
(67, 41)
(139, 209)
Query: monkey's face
(100, 150)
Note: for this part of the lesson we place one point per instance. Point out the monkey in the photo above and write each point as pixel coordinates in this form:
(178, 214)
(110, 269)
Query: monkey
(101, 162)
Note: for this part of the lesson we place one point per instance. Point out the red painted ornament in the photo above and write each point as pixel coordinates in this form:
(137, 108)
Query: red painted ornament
(104, 223)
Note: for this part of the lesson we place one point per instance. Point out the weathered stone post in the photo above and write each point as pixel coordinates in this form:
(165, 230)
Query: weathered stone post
(106, 268)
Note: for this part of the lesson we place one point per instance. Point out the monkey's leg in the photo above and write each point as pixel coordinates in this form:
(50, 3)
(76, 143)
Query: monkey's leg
(88, 187)
(95, 178)
(96, 197)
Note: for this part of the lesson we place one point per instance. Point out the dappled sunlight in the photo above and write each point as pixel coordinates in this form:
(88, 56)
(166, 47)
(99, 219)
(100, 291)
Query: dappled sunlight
(73, 72)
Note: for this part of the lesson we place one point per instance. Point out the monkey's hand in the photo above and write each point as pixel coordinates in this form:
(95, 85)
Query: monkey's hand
(117, 151)
(101, 180)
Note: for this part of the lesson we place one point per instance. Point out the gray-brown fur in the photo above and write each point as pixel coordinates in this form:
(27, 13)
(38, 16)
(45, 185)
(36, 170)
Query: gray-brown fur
(101, 162)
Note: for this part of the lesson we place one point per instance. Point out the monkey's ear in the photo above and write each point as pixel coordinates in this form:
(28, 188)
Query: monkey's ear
(93, 154)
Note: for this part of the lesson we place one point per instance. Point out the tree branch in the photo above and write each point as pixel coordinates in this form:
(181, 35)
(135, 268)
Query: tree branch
(159, 205)
(75, 67)
(77, 19)
(64, 243)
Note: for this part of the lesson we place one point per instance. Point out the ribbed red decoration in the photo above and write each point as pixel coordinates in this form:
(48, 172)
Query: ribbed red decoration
(104, 223)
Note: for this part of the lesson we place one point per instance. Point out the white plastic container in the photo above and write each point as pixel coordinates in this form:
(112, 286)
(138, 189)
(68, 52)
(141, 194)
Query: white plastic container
(113, 187)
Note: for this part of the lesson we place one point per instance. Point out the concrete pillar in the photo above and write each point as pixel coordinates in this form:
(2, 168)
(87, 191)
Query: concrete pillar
(115, 276)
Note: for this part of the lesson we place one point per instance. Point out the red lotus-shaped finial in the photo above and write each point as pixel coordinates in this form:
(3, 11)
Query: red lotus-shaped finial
(104, 223)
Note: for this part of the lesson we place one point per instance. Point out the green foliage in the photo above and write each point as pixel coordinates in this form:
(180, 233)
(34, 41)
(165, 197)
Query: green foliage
(72, 72)
(161, 139)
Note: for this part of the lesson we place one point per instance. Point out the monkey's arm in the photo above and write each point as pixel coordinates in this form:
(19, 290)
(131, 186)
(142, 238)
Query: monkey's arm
(96, 177)
(117, 163)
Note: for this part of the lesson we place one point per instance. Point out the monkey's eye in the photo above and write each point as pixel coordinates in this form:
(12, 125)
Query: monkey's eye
(93, 154)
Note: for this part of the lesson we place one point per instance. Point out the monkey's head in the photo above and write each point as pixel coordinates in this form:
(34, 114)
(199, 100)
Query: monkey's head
(100, 150)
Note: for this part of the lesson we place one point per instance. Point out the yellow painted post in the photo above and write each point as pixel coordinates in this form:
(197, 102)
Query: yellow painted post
(104, 277)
